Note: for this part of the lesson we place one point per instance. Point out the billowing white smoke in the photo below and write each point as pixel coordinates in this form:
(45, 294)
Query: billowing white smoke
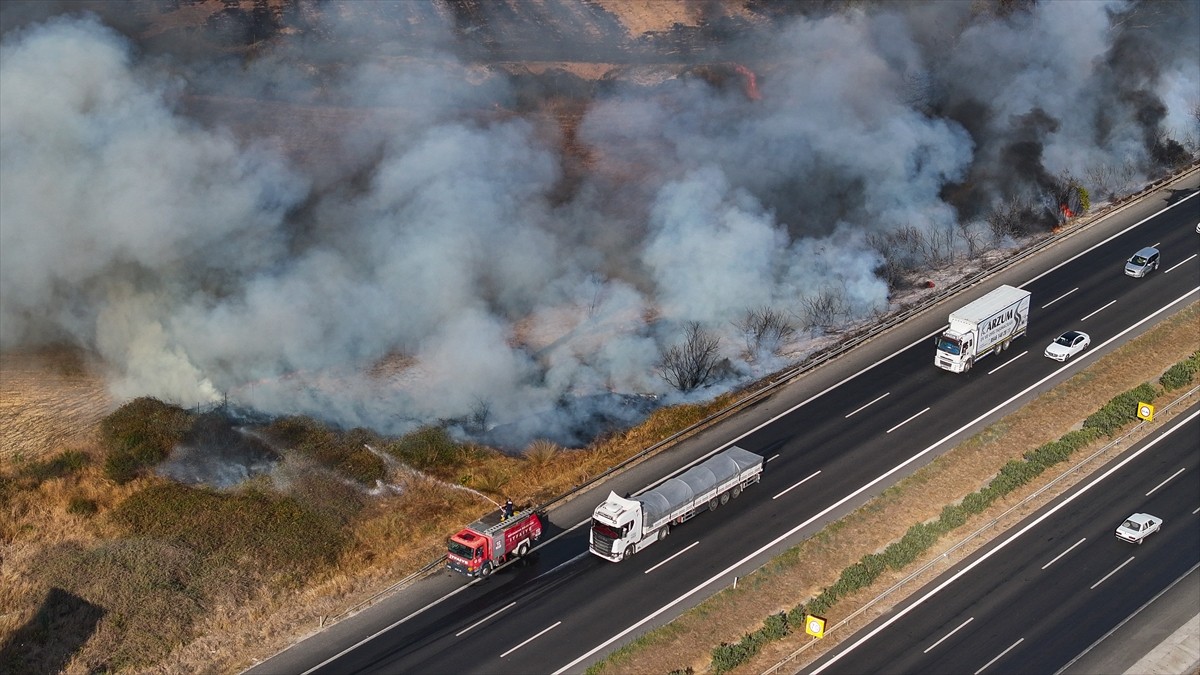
(112, 207)
(434, 267)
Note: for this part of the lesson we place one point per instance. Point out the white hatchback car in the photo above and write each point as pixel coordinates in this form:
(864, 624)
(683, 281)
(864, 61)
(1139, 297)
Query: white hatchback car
(1137, 527)
(1067, 345)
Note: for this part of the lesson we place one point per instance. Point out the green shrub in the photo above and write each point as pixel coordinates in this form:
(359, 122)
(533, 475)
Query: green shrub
(1121, 410)
(726, 657)
(1014, 474)
(776, 626)
(1181, 374)
(139, 435)
(430, 449)
(976, 502)
(953, 516)
(345, 454)
(268, 531)
(62, 464)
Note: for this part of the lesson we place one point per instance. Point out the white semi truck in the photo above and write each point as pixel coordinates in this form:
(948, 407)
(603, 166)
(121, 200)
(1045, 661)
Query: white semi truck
(985, 326)
(623, 526)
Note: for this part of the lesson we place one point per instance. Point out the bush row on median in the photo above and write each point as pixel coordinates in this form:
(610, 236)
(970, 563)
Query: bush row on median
(1108, 421)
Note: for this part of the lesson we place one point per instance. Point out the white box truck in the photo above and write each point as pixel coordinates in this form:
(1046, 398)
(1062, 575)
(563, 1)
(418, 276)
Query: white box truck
(621, 526)
(985, 326)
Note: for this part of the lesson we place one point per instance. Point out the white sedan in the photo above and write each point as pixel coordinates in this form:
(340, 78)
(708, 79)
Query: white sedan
(1137, 527)
(1067, 345)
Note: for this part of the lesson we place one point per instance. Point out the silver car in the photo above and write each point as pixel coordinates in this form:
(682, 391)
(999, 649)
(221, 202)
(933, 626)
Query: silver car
(1143, 262)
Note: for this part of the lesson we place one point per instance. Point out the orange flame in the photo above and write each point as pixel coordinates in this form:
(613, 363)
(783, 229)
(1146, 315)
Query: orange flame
(751, 81)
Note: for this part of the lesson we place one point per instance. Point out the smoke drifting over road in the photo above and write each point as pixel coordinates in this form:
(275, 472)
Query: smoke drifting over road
(439, 256)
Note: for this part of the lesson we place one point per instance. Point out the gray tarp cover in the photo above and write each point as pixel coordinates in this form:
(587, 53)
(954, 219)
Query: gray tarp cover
(680, 490)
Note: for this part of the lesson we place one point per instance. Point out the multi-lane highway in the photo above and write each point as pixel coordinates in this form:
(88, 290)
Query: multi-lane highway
(827, 453)
(1041, 595)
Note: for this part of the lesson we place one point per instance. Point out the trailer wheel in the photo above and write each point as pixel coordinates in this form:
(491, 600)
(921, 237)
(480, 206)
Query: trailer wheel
(725, 498)
(713, 504)
(736, 492)
(662, 534)
(1006, 344)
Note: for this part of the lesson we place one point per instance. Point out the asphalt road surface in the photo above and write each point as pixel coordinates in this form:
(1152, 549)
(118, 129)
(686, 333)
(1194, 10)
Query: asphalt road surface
(1046, 592)
(834, 441)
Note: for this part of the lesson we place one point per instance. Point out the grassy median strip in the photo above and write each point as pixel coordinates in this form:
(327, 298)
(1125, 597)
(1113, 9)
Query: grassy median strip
(849, 562)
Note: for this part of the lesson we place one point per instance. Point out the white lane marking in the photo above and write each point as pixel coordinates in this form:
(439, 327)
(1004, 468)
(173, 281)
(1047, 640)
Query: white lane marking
(1098, 311)
(1114, 236)
(544, 631)
(979, 561)
(772, 457)
(1106, 576)
(1179, 263)
(1196, 511)
(1007, 362)
(1059, 297)
(868, 485)
(796, 485)
(907, 421)
(1168, 480)
(869, 404)
(999, 655)
(381, 631)
(485, 619)
(1117, 627)
(695, 543)
(947, 635)
(1064, 553)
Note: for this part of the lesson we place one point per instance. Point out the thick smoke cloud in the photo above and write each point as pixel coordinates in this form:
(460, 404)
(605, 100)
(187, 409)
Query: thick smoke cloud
(433, 254)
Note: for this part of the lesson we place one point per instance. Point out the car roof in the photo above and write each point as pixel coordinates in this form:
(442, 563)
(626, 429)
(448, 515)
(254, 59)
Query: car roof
(1140, 517)
(1072, 334)
(1147, 252)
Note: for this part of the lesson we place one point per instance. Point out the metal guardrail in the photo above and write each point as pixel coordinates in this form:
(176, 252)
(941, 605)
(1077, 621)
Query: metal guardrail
(945, 555)
(824, 356)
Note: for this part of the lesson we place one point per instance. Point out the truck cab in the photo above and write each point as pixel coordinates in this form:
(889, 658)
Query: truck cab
(467, 552)
(616, 528)
(954, 349)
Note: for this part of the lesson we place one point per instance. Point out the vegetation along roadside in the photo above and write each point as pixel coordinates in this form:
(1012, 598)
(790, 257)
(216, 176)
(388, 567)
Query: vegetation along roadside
(838, 571)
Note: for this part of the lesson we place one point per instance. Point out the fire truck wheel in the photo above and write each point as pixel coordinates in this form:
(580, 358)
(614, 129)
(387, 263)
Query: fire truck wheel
(523, 549)
(736, 492)
(662, 534)
(486, 570)
(713, 504)
(725, 498)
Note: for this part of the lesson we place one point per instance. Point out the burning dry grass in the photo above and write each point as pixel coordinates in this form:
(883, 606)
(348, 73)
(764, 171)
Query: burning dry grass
(70, 548)
(184, 579)
(806, 569)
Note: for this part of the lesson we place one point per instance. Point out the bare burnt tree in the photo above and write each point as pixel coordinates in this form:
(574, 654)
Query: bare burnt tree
(693, 364)
(477, 421)
(825, 309)
(973, 235)
(765, 329)
(937, 247)
(1010, 218)
(901, 251)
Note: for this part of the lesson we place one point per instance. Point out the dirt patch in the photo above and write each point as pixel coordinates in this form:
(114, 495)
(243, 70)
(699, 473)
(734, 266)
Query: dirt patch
(786, 582)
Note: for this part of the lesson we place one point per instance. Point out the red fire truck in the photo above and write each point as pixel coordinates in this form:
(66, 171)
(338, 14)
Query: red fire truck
(486, 543)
